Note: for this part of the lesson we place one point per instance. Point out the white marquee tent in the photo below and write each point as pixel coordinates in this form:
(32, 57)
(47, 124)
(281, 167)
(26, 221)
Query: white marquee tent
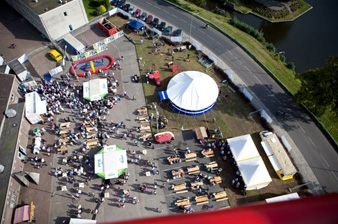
(192, 93)
(254, 173)
(95, 89)
(250, 164)
(243, 148)
(34, 107)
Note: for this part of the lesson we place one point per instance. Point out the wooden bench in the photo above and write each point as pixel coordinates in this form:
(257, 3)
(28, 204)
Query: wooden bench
(193, 170)
(88, 122)
(183, 202)
(64, 140)
(201, 199)
(190, 157)
(64, 131)
(175, 159)
(65, 124)
(209, 153)
(90, 128)
(145, 128)
(217, 180)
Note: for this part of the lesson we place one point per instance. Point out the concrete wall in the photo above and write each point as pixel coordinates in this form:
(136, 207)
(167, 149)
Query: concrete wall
(56, 23)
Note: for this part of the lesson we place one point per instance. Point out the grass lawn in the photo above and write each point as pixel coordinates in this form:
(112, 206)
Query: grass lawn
(231, 111)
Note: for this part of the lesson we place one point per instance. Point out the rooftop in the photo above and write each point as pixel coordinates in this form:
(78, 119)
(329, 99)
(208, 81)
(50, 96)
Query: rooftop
(5, 91)
(42, 6)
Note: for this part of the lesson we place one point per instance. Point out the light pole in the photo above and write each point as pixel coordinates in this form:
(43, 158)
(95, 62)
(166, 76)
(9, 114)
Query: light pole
(192, 15)
(64, 57)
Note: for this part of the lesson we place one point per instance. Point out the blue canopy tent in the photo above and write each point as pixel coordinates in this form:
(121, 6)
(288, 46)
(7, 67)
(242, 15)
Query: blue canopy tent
(134, 24)
(163, 95)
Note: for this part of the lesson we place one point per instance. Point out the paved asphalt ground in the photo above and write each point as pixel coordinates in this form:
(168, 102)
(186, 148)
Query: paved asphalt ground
(312, 152)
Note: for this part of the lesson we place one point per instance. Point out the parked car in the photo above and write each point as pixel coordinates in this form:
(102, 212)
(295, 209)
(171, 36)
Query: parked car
(131, 10)
(168, 30)
(114, 2)
(155, 22)
(55, 55)
(162, 26)
(177, 33)
(149, 19)
(143, 16)
(137, 13)
(125, 7)
(121, 3)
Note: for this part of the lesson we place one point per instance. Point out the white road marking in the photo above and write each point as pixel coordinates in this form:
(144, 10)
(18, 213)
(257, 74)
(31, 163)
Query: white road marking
(173, 15)
(334, 175)
(301, 127)
(324, 160)
(312, 142)
(219, 43)
(183, 20)
(277, 100)
(247, 69)
(239, 60)
(211, 37)
(258, 79)
(230, 52)
(157, 7)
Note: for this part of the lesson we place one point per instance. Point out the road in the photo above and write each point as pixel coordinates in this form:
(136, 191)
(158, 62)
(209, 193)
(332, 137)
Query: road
(313, 145)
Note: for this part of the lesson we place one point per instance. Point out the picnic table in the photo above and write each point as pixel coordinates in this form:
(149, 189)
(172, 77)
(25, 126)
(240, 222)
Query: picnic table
(90, 128)
(201, 199)
(216, 180)
(207, 153)
(87, 122)
(145, 128)
(190, 157)
(62, 148)
(183, 202)
(180, 188)
(146, 136)
(220, 196)
(91, 135)
(177, 173)
(196, 185)
(92, 142)
(64, 140)
(172, 160)
(65, 124)
(193, 170)
(64, 131)
(142, 110)
(141, 118)
(211, 165)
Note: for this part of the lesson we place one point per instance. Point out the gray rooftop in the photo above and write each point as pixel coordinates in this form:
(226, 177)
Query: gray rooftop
(42, 6)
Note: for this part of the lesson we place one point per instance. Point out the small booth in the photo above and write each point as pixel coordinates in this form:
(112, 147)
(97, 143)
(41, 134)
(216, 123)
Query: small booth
(107, 27)
(24, 213)
(95, 89)
(164, 137)
(110, 162)
(34, 107)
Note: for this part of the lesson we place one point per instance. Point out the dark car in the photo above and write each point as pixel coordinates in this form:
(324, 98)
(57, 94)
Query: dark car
(114, 2)
(168, 30)
(131, 10)
(125, 7)
(149, 19)
(155, 22)
(143, 16)
(121, 3)
(177, 33)
(162, 26)
(137, 13)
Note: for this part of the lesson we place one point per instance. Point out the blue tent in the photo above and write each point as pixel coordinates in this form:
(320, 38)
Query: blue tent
(163, 95)
(134, 24)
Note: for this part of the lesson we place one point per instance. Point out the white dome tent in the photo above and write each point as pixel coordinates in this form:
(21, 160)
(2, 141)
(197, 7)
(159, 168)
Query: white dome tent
(192, 93)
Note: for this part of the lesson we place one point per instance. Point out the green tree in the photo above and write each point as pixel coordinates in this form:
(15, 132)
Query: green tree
(101, 9)
(319, 89)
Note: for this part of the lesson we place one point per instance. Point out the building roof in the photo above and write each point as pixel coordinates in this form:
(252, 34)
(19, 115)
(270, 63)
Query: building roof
(5, 91)
(42, 6)
(8, 140)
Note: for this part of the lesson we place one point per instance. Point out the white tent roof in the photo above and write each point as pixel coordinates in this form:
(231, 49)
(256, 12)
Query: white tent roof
(192, 90)
(243, 148)
(254, 173)
(286, 197)
(34, 107)
(95, 89)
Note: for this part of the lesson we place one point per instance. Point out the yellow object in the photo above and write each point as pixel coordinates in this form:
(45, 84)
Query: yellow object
(92, 66)
(55, 55)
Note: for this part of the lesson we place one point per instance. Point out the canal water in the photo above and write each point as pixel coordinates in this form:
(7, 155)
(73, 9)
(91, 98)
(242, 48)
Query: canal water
(308, 41)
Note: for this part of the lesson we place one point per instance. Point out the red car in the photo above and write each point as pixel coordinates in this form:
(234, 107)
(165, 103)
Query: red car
(163, 137)
(137, 13)
(149, 19)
